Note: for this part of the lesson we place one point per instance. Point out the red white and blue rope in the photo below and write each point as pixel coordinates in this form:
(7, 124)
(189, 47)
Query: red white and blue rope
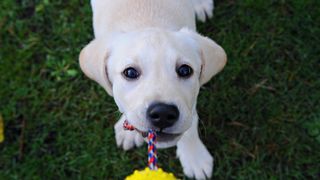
(152, 149)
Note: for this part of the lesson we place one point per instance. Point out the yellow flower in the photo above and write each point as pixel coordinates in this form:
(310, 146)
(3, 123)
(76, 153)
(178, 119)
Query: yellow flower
(148, 174)
(1, 129)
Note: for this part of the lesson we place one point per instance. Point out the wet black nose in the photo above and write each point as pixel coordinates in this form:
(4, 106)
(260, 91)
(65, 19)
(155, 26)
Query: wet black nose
(162, 115)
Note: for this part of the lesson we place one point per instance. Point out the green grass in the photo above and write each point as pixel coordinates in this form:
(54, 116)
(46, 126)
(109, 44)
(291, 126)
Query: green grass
(259, 117)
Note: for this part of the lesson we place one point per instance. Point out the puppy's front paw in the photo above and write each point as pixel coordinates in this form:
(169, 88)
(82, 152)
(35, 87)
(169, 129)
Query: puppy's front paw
(196, 161)
(203, 9)
(127, 139)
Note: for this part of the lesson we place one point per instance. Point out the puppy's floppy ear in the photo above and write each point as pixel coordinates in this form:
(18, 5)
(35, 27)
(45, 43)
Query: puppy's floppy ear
(212, 55)
(93, 60)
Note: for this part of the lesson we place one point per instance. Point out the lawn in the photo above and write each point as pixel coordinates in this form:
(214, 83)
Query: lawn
(260, 117)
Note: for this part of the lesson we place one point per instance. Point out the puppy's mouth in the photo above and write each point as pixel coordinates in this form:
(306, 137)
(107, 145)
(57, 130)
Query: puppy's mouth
(161, 136)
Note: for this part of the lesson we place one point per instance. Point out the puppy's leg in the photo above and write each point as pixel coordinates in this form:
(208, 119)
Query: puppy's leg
(125, 138)
(196, 161)
(203, 9)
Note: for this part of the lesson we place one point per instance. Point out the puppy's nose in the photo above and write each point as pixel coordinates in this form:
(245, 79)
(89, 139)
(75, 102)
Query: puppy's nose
(162, 115)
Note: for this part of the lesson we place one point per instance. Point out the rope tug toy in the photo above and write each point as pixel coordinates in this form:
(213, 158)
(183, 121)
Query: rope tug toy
(152, 150)
(152, 171)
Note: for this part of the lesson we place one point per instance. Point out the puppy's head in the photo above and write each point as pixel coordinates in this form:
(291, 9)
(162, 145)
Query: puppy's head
(154, 76)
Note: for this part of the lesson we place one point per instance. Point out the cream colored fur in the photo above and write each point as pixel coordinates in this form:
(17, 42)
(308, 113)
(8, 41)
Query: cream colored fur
(154, 36)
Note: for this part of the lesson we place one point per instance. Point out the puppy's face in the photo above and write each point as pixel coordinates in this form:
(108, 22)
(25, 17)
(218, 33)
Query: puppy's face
(155, 78)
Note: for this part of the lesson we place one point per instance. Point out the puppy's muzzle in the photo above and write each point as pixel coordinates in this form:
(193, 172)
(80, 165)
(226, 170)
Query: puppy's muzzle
(162, 115)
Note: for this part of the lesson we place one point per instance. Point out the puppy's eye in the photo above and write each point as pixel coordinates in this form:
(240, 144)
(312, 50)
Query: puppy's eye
(131, 73)
(184, 71)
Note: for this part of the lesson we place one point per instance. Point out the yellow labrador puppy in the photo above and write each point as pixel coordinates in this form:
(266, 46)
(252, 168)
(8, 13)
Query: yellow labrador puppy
(149, 57)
